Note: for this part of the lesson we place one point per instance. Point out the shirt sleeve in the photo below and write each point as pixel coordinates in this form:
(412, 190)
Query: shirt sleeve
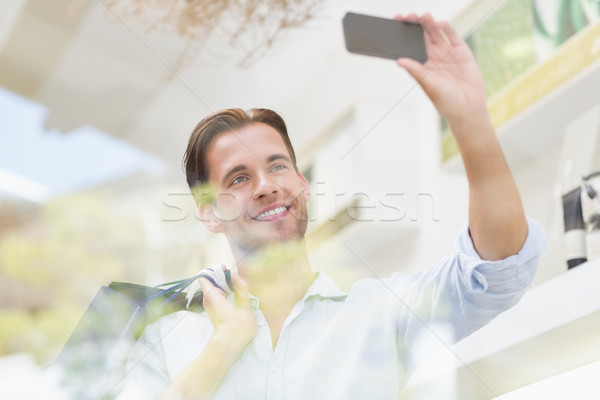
(463, 292)
(487, 288)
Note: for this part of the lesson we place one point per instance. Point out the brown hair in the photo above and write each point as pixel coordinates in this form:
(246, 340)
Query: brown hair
(194, 159)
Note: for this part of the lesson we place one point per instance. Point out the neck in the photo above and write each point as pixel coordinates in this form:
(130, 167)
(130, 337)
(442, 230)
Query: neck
(278, 274)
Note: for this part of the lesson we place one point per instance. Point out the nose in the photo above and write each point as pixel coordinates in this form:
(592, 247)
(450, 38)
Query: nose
(265, 186)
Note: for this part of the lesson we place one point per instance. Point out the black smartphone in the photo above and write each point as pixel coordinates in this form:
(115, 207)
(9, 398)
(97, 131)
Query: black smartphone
(382, 37)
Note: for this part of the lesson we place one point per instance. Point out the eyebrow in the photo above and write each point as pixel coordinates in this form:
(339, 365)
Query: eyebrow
(232, 171)
(276, 157)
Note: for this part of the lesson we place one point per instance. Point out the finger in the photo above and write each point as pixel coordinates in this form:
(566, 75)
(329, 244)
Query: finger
(212, 296)
(450, 32)
(432, 29)
(240, 289)
(413, 67)
(412, 17)
(222, 281)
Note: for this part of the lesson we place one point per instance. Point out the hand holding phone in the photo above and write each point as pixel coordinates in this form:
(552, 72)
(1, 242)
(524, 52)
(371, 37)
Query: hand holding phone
(386, 38)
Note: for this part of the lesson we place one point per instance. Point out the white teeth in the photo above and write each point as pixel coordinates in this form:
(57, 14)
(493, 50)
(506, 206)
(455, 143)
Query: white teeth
(272, 212)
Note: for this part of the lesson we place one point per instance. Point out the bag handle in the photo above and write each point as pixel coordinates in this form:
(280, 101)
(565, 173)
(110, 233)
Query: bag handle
(215, 275)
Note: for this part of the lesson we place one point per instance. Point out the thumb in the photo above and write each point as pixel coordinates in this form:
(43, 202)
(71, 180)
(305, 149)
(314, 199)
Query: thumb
(413, 67)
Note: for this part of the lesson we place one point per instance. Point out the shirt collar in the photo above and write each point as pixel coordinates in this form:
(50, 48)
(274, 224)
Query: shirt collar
(322, 286)
(325, 287)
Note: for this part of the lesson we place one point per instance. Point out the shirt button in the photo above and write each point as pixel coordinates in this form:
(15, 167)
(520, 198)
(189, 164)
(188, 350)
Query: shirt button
(261, 323)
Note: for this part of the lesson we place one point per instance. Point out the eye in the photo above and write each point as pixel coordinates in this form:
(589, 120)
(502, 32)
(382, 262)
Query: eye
(278, 167)
(239, 179)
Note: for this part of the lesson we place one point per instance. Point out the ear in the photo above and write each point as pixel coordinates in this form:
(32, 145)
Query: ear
(304, 183)
(209, 219)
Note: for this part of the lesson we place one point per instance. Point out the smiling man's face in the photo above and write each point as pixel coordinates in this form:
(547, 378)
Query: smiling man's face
(260, 197)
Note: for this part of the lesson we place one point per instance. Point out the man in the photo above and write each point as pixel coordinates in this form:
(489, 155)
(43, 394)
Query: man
(293, 334)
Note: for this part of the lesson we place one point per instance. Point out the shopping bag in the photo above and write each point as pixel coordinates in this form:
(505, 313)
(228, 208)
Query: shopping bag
(92, 362)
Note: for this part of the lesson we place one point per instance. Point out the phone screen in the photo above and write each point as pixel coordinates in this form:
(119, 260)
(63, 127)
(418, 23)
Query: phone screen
(381, 37)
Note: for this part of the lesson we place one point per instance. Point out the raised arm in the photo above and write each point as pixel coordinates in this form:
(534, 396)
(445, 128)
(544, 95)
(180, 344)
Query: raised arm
(235, 327)
(452, 80)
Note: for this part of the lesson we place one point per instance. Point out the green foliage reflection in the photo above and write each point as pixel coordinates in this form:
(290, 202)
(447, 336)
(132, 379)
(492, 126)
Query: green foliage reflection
(51, 268)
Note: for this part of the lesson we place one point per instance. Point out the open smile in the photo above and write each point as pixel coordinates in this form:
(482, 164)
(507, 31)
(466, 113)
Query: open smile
(273, 214)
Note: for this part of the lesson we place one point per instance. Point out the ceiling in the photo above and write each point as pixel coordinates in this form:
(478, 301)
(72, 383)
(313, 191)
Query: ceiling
(90, 66)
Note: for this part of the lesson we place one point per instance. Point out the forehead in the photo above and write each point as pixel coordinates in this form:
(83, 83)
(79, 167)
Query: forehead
(250, 145)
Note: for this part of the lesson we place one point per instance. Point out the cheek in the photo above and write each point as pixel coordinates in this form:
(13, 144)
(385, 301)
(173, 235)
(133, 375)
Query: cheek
(300, 190)
(229, 207)
(300, 198)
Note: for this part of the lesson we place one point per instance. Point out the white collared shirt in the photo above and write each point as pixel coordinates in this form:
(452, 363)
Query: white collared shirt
(334, 345)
